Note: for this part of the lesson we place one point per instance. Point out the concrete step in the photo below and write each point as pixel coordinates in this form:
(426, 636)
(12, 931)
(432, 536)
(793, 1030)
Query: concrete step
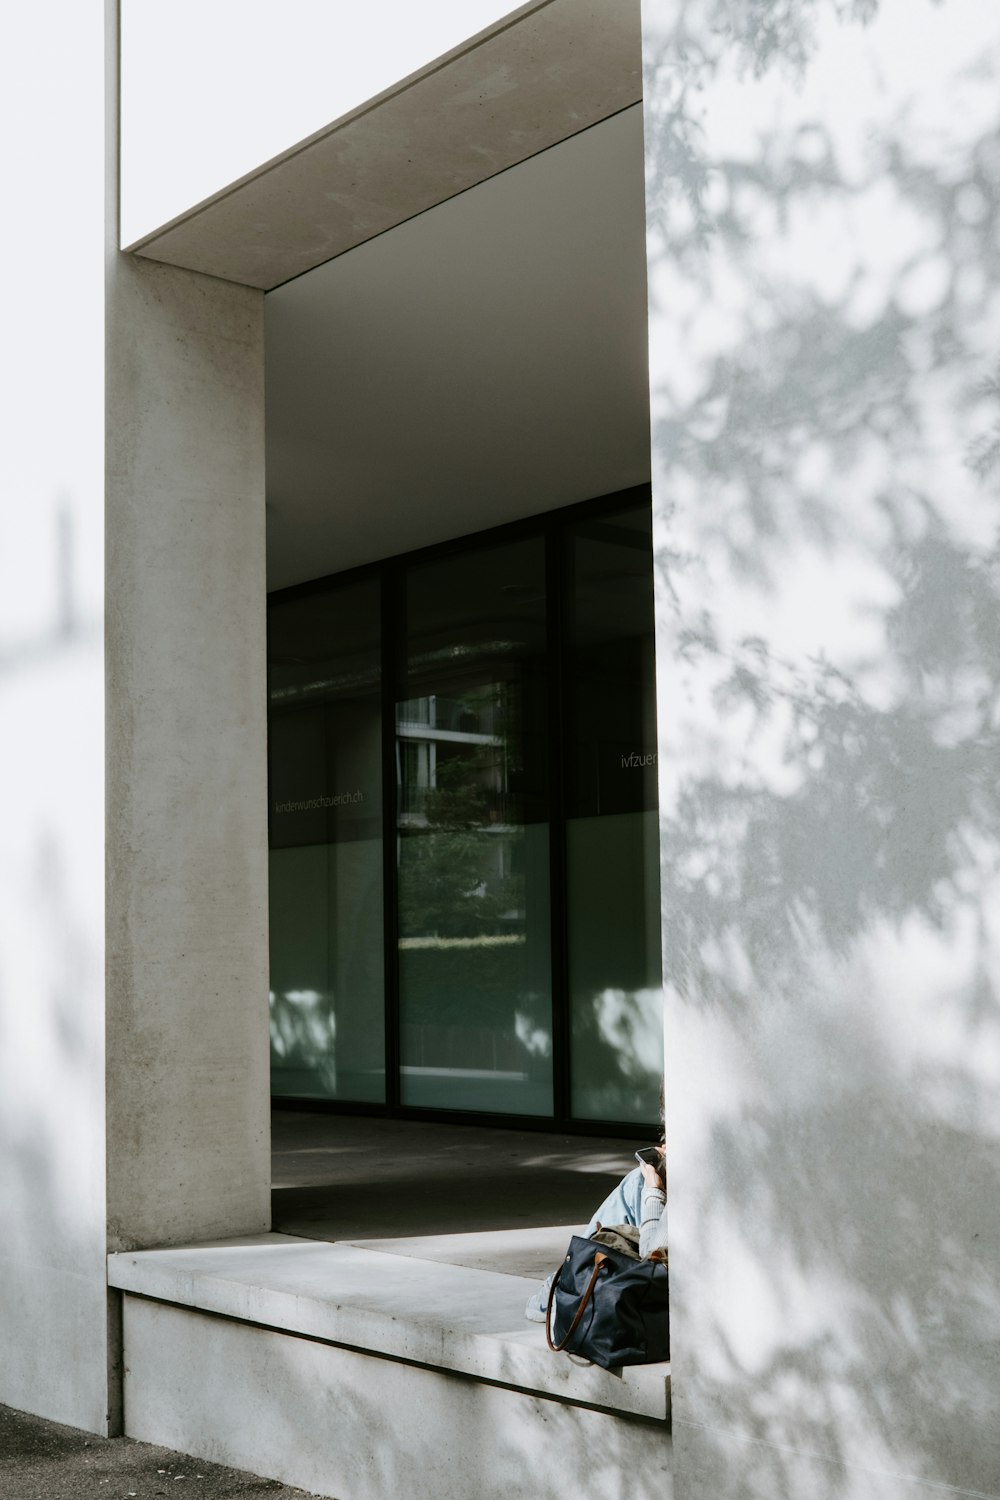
(362, 1373)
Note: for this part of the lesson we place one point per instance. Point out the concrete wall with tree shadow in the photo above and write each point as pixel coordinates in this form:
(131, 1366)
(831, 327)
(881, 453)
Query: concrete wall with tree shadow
(53, 1294)
(823, 206)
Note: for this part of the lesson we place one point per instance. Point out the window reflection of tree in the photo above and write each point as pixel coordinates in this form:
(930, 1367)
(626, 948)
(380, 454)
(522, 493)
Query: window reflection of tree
(457, 881)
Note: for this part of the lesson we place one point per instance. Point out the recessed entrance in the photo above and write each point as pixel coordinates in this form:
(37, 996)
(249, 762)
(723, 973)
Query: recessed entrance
(464, 897)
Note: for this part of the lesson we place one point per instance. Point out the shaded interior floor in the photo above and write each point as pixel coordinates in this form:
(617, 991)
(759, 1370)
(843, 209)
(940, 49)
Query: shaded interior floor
(503, 1200)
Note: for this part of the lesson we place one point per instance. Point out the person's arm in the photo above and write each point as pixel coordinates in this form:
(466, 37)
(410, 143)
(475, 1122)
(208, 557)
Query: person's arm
(653, 1223)
(653, 1230)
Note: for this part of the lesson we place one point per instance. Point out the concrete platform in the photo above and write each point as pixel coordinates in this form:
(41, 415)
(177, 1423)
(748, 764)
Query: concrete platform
(445, 1316)
(365, 1374)
(529, 1253)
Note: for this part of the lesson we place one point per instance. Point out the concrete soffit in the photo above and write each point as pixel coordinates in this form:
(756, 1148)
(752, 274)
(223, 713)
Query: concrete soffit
(542, 74)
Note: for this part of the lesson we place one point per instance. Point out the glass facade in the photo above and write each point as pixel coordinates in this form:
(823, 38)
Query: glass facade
(326, 901)
(475, 1001)
(493, 945)
(612, 837)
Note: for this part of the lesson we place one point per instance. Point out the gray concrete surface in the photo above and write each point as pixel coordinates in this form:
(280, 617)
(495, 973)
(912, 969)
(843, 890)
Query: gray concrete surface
(407, 1309)
(187, 971)
(42, 1459)
(350, 1426)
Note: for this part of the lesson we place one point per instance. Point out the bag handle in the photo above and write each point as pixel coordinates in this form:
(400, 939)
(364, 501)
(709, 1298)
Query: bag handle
(599, 1260)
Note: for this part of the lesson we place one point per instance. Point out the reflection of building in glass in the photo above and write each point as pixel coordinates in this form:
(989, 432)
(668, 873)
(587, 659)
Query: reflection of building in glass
(448, 739)
(454, 772)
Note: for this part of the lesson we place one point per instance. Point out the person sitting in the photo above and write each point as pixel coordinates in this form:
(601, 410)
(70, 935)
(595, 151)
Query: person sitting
(640, 1199)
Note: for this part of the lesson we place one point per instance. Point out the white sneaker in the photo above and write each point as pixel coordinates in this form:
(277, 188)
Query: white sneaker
(536, 1304)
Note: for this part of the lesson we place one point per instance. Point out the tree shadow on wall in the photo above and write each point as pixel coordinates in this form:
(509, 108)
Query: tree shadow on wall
(53, 1240)
(827, 451)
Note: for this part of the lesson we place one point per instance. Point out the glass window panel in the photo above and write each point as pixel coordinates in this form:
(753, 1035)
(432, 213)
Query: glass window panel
(327, 981)
(474, 956)
(613, 891)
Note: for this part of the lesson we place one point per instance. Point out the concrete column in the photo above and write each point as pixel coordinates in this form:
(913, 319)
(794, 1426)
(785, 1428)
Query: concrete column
(187, 1057)
(823, 213)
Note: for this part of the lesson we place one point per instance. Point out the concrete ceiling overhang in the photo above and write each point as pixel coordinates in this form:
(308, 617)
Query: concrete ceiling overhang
(480, 364)
(541, 75)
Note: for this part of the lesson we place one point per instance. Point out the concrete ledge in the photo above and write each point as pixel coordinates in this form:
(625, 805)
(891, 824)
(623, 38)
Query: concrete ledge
(444, 1317)
(345, 1424)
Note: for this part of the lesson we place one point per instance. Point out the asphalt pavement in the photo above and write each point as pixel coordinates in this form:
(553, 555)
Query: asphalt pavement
(41, 1460)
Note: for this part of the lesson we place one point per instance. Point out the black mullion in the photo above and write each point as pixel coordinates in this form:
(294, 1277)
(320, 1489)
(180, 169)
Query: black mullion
(390, 607)
(269, 767)
(557, 821)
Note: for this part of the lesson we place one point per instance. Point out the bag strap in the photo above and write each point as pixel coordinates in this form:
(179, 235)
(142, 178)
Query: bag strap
(599, 1260)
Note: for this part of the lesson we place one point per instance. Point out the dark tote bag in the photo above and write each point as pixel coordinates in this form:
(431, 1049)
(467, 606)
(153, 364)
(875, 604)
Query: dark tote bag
(609, 1307)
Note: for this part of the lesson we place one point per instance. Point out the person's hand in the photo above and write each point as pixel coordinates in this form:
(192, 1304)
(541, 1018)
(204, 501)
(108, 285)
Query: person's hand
(652, 1176)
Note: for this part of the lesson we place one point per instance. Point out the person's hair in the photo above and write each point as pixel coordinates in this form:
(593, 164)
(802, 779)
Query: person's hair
(663, 1114)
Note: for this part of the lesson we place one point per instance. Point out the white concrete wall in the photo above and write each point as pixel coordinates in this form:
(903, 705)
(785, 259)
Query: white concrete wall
(823, 203)
(52, 1296)
(188, 1094)
(210, 92)
(187, 1084)
(353, 1426)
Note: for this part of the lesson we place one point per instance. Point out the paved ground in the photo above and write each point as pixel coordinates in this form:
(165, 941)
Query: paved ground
(43, 1461)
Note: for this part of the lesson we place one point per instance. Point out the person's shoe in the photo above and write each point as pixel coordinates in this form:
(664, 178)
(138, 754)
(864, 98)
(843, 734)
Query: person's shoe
(536, 1304)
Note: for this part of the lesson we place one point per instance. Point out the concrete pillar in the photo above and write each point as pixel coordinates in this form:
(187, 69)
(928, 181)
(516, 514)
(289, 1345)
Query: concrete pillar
(823, 214)
(187, 1068)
